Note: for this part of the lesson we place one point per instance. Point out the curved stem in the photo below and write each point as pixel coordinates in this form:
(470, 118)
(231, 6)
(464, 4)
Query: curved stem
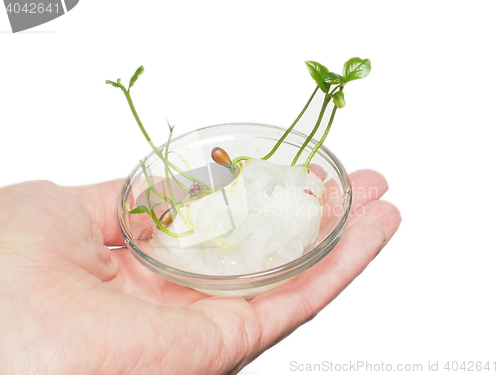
(187, 175)
(179, 183)
(168, 173)
(156, 150)
(322, 140)
(153, 216)
(311, 135)
(150, 184)
(271, 153)
(334, 89)
(240, 158)
(139, 122)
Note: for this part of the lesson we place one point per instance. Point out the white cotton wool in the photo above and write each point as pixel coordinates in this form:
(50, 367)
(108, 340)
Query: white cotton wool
(263, 219)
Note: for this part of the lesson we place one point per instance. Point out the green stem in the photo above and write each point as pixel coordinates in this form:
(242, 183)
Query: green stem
(311, 135)
(172, 201)
(240, 158)
(325, 134)
(156, 150)
(180, 184)
(152, 212)
(334, 89)
(139, 122)
(187, 175)
(271, 153)
(150, 184)
(164, 158)
(168, 173)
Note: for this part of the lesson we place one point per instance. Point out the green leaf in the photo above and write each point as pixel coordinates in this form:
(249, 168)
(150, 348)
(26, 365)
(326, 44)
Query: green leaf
(136, 75)
(356, 68)
(333, 78)
(170, 127)
(139, 210)
(148, 193)
(318, 72)
(338, 99)
(113, 84)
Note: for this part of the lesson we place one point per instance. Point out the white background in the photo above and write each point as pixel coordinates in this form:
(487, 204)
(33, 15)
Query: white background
(426, 117)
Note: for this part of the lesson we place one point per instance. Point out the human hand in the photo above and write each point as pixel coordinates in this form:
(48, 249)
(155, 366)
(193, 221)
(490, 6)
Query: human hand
(69, 304)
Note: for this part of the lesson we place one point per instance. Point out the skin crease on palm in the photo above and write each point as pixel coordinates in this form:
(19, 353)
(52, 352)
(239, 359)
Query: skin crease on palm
(70, 305)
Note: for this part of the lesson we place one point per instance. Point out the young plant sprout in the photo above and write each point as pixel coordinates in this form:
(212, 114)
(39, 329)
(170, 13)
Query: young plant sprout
(234, 228)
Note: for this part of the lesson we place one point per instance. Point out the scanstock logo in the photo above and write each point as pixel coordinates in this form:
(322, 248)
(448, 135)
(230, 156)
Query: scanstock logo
(27, 14)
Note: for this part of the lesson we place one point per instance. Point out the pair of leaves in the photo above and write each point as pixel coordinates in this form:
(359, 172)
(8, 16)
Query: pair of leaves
(323, 77)
(133, 79)
(354, 68)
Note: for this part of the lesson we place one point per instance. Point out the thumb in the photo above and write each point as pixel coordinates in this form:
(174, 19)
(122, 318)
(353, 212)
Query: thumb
(101, 200)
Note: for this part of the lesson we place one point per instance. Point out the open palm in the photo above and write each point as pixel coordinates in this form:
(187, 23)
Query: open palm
(69, 304)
